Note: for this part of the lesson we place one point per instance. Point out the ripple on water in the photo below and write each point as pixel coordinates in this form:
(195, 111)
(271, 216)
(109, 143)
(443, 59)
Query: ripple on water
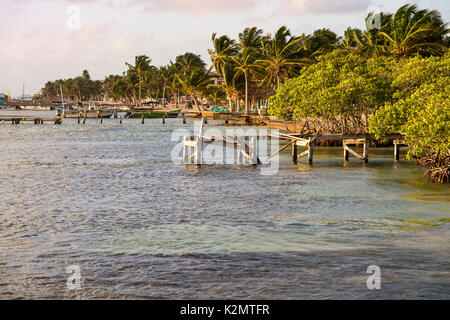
(107, 197)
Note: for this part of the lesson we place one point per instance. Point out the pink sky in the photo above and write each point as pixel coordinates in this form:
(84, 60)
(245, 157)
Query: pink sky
(37, 44)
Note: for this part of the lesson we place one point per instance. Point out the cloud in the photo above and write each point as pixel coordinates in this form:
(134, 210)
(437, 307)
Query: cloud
(200, 6)
(293, 7)
(91, 33)
(12, 52)
(183, 6)
(121, 43)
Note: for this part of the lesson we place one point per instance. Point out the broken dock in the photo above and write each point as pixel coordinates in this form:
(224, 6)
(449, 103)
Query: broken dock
(16, 120)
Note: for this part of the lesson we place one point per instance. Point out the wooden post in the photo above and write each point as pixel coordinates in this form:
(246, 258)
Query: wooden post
(184, 119)
(120, 120)
(294, 152)
(346, 153)
(396, 150)
(254, 150)
(185, 153)
(101, 118)
(240, 149)
(164, 119)
(366, 151)
(78, 119)
(85, 116)
(142, 118)
(310, 151)
(198, 151)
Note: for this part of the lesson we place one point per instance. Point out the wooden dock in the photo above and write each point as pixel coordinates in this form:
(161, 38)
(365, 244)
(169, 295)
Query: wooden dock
(247, 147)
(349, 141)
(16, 119)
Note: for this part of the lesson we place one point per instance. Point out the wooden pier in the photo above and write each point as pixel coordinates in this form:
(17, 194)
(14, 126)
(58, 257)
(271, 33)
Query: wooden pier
(246, 147)
(348, 142)
(15, 119)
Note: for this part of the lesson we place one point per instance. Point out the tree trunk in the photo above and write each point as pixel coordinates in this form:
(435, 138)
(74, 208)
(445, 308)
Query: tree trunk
(140, 90)
(246, 95)
(164, 96)
(196, 103)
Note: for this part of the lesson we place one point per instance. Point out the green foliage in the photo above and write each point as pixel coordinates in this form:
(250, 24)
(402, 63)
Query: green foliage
(420, 107)
(77, 89)
(337, 93)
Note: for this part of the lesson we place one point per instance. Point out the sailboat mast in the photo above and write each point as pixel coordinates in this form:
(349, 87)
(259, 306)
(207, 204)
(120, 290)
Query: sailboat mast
(62, 98)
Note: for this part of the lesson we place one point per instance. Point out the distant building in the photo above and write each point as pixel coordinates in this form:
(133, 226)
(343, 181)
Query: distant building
(3, 98)
(215, 78)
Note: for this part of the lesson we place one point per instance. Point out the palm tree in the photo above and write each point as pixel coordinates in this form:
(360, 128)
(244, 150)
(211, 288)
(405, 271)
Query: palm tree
(224, 49)
(189, 62)
(348, 42)
(245, 64)
(194, 83)
(416, 31)
(228, 83)
(251, 38)
(174, 85)
(86, 75)
(279, 57)
(215, 94)
(369, 42)
(320, 42)
(120, 90)
(165, 74)
(141, 66)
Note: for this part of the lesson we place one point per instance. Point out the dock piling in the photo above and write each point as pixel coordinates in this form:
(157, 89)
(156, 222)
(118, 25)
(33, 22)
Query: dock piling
(310, 151)
(397, 144)
(294, 152)
(347, 150)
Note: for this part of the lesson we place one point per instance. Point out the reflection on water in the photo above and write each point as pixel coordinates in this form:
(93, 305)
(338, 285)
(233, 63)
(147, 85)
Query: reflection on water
(107, 198)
